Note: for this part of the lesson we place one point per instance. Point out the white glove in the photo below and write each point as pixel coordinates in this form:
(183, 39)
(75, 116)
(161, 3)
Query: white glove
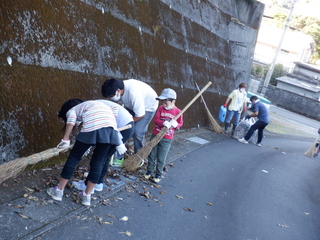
(174, 123)
(167, 124)
(64, 144)
(121, 149)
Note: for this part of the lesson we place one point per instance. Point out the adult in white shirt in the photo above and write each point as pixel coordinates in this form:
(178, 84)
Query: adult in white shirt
(138, 98)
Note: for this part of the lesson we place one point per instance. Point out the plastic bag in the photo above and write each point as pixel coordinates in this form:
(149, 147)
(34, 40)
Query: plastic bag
(242, 129)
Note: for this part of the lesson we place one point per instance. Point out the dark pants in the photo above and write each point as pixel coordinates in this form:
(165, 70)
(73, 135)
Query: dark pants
(99, 155)
(126, 134)
(258, 125)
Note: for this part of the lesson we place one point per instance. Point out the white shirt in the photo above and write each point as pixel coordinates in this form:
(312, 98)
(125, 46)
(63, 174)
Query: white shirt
(139, 97)
(123, 117)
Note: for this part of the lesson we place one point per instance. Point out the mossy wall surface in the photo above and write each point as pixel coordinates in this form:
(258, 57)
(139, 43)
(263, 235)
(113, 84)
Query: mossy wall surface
(66, 49)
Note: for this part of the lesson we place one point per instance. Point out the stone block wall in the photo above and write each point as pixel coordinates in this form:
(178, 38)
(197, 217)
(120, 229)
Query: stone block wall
(66, 49)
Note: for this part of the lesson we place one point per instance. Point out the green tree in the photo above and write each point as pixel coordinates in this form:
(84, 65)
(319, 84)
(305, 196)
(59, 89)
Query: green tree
(278, 71)
(307, 25)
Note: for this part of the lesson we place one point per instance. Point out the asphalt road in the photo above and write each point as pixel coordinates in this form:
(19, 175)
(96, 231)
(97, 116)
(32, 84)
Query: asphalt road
(294, 117)
(224, 190)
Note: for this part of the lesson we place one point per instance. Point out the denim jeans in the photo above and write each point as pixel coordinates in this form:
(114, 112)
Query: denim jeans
(126, 134)
(158, 155)
(236, 115)
(141, 127)
(99, 154)
(258, 125)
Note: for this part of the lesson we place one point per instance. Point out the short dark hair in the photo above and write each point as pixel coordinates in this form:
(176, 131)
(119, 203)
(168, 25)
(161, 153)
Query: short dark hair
(242, 85)
(110, 87)
(253, 98)
(66, 107)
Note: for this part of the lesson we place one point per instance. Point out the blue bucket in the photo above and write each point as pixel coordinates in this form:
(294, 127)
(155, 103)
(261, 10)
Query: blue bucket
(222, 113)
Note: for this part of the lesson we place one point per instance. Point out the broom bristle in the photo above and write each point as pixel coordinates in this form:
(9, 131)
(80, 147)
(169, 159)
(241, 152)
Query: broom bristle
(214, 126)
(311, 150)
(133, 162)
(12, 168)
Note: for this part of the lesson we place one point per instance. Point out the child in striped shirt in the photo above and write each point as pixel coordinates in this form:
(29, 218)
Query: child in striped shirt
(99, 129)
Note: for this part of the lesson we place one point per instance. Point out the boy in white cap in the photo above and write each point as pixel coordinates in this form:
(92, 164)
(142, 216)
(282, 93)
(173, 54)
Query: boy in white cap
(164, 117)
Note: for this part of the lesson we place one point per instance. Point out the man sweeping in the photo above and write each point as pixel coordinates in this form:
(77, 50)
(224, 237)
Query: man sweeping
(138, 98)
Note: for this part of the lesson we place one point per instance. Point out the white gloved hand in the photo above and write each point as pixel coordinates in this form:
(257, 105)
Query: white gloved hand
(64, 144)
(167, 124)
(121, 149)
(174, 123)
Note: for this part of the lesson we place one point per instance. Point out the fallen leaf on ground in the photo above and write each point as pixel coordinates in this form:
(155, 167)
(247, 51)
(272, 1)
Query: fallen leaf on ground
(127, 233)
(180, 197)
(29, 189)
(129, 189)
(21, 215)
(188, 209)
(111, 216)
(209, 203)
(282, 225)
(100, 219)
(145, 194)
(124, 218)
(163, 192)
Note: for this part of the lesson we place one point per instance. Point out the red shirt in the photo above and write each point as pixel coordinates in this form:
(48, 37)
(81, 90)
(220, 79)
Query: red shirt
(166, 115)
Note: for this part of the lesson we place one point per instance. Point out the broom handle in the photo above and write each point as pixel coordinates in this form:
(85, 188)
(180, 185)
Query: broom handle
(204, 102)
(193, 100)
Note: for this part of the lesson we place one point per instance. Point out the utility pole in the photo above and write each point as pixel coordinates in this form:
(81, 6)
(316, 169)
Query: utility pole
(270, 71)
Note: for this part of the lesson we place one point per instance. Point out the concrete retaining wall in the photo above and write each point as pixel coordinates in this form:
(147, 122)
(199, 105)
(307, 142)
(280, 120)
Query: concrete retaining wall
(294, 102)
(66, 49)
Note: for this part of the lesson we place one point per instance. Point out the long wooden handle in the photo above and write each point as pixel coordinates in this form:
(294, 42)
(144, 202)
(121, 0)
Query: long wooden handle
(124, 127)
(204, 102)
(193, 100)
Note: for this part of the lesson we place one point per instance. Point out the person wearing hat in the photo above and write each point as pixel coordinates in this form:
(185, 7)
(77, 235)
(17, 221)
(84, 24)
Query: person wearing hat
(164, 117)
(138, 98)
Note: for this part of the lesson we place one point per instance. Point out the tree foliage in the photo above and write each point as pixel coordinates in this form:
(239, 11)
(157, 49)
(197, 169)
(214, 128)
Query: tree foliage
(306, 24)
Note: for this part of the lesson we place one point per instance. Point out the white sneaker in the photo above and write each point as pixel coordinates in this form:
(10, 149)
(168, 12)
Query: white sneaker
(98, 187)
(84, 198)
(55, 193)
(259, 144)
(242, 140)
(80, 185)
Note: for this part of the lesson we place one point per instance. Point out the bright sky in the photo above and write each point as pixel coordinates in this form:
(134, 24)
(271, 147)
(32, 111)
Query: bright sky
(302, 7)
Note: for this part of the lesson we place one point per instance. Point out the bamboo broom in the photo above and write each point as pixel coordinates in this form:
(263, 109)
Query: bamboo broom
(310, 152)
(13, 168)
(133, 162)
(214, 126)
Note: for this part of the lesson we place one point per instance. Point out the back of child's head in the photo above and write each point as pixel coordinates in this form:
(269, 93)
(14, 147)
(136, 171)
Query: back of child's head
(67, 106)
(110, 87)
